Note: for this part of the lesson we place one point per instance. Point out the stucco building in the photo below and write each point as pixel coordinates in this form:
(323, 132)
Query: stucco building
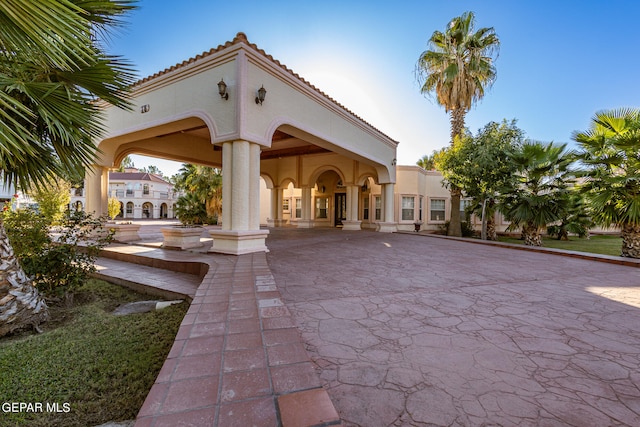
(141, 195)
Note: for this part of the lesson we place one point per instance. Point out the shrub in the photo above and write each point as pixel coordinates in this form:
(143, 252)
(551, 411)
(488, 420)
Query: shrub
(59, 259)
(191, 210)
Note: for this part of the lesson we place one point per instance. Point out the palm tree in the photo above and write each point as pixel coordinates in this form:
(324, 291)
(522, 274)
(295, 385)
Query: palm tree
(457, 68)
(428, 162)
(54, 71)
(538, 196)
(206, 183)
(609, 151)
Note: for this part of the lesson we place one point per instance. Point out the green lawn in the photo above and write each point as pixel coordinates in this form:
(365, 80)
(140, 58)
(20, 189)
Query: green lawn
(597, 244)
(100, 365)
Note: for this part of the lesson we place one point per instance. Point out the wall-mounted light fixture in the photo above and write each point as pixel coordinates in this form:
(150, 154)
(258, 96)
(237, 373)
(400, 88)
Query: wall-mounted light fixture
(393, 162)
(262, 92)
(222, 89)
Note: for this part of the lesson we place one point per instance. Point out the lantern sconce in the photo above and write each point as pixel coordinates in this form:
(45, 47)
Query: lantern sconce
(222, 89)
(262, 92)
(393, 162)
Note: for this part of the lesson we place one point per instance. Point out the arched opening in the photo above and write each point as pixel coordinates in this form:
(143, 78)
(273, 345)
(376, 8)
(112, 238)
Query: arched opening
(330, 199)
(129, 210)
(164, 211)
(147, 210)
(121, 214)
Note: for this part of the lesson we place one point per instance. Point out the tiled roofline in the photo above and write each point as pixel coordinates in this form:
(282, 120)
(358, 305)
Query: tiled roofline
(241, 38)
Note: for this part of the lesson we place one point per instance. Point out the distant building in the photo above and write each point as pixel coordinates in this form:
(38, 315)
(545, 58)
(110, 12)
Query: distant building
(141, 195)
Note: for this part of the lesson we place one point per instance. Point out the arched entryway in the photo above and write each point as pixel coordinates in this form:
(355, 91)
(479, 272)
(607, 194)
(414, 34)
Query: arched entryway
(164, 210)
(295, 131)
(147, 210)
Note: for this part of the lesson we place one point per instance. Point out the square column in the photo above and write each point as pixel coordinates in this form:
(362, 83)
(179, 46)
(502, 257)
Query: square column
(389, 224)
(276, 207)
(352, 222)
(240, 232)
(305, 221)
(96, 187)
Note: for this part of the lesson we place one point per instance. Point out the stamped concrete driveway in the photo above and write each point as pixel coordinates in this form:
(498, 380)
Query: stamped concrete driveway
(411, 330)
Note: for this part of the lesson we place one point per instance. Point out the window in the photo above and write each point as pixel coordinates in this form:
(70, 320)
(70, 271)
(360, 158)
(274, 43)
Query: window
(145, 189)
(322, 206)
(129, 208)
(285, 205)
(408, 207)
(437, 209)
(378, 202)
(365, 209)
(298, 208)
(420, 208)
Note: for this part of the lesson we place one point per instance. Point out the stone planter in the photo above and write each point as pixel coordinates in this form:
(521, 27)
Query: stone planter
(181, 237)
(124, 232)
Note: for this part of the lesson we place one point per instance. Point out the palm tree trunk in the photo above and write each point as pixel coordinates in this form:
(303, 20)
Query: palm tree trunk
(531, 235)
(20, 303)
(457, 125)
(491, 229)
(457, 122)
(630, 241)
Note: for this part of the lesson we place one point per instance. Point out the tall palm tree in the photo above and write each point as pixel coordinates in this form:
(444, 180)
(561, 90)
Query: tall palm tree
(539, 193)
(609, 151)
(457, 68)
(53, 72)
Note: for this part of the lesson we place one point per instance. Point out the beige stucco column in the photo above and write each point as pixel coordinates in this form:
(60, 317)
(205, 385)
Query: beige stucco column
(276, 207)
(352, 222)
(240, 232)
(96, 187)
(388, 225)
(305, 221)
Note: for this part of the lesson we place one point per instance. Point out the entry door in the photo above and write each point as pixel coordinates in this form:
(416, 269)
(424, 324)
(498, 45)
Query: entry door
(341, 208)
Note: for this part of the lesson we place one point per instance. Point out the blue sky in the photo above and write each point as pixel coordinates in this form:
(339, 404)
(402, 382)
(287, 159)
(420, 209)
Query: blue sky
(560, 61)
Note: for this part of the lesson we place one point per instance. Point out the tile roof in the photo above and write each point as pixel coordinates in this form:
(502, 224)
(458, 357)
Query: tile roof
(136, 176)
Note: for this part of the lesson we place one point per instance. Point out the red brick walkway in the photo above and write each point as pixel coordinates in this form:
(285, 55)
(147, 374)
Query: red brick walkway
(238, 359)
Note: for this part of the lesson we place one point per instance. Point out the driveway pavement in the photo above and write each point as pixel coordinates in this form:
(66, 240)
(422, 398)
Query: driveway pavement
(409, 330)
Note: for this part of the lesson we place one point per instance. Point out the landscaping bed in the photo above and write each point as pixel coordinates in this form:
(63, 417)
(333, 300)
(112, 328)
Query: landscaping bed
(596, 244)
(89, 366)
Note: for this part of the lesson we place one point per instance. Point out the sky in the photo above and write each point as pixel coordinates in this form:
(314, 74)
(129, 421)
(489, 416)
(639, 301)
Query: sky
(560, 61)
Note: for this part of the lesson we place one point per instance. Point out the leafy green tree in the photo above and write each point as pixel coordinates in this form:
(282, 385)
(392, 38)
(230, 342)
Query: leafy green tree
(480, 166)
(537, 196)
(53, 68)
(152, 170)
(53, 199)
(127, 162)
(610, 152)
(113, 207)
(205, 183)
(457, 68)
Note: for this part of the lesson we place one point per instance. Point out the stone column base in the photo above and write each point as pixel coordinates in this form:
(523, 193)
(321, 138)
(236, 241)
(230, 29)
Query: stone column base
(304, 223)
(238, 242)
(387, 227)
(276, 222)
(181, 237)
(351, 225)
